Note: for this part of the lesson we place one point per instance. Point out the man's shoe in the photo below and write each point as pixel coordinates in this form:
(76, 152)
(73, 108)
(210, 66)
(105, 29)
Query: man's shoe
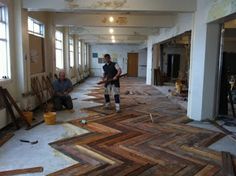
(117, 108)
(107, 106)
(118, 111)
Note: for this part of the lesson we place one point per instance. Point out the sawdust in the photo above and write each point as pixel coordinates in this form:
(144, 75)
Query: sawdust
(71, 131)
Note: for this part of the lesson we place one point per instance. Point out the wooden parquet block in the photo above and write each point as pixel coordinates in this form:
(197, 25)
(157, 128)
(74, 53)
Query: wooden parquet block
(128, 143)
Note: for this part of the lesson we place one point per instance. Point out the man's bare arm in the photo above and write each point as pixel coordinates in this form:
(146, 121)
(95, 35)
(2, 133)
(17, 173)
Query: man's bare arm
(118, 74)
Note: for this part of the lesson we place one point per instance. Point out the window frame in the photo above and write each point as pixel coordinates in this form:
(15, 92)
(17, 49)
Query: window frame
(41, 26)
(4, 20)
(80, 52)
(85, 54)
(61, 40)
(71, 52)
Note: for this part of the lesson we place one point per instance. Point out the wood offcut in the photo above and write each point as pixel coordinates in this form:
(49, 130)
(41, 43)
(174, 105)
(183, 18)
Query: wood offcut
(21, 171)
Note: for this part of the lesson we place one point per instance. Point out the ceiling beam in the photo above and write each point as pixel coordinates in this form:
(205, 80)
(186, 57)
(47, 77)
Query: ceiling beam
(96, 41)
(117, 37)
(108, 5)
(101, 20)
(115, 31)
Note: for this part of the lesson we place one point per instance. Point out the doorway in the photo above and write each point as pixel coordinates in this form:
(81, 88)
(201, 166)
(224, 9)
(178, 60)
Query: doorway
(227, 75)
(132, 64)
(173, 66)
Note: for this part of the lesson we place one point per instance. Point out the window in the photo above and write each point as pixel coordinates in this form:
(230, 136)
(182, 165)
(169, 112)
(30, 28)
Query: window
(4, 44)
(59, 50)
(79, 52)
(35, 27)
(71, 51)
(85, 54)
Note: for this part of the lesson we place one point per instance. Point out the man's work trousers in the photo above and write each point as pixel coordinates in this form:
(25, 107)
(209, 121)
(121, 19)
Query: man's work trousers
(112, 89)
(60, 101)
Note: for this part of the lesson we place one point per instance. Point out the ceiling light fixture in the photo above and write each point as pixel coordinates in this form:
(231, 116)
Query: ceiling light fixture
(111, 30)
(113, 37)
(111, 19)
(113, 41)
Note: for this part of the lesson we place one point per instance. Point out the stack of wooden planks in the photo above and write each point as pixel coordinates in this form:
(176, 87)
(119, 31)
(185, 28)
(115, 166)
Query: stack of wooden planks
(130, 143)
(9, 103)
(43, 90)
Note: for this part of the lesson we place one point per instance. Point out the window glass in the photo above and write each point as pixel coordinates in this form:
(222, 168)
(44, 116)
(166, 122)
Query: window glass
(3, 34)
(79, 54)
(71, 51)
(35, 27)
(4, 44)
(59, 50)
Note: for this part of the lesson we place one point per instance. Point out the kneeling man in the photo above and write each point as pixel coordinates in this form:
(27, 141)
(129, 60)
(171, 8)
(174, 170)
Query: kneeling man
(62, 87)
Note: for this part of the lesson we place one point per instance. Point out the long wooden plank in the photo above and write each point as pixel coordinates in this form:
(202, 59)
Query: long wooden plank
(10, 98)
(5, 138)
(227, 164)
(9, 108)
(21, 171)
(209, 170)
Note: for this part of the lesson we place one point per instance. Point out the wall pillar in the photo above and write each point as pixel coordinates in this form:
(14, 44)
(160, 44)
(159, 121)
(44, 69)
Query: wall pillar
(149, 78)
(203, 67)
(21, 53)
(66, 50)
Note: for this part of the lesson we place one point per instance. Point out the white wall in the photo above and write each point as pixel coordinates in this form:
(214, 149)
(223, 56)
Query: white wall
(184, 59)
(184, 23)
(142, 63)
(119, 51)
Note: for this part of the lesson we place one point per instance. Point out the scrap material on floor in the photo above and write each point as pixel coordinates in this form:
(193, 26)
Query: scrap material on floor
(147, 138)
(8, 102)
(21, 171)
(227, 164)
(5, 137)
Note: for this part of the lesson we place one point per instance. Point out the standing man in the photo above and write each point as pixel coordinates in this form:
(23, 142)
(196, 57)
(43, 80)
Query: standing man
(111, 74)
(62, 87)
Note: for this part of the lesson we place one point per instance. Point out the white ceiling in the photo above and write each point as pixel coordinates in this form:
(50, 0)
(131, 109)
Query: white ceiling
(133, 21)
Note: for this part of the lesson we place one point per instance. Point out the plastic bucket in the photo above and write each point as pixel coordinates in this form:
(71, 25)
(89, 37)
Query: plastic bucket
(50, 118)
(28, 116)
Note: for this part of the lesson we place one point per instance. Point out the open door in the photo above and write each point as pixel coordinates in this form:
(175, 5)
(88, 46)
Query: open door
(133, 64)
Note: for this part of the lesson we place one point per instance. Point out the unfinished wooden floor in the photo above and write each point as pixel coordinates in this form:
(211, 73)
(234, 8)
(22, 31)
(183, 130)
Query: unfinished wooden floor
(128, 143)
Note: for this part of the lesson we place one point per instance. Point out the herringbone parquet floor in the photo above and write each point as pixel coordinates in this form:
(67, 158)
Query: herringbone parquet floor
(129, 143)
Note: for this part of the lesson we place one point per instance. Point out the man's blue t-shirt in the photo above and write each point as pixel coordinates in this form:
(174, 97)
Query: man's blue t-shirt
(61, 86)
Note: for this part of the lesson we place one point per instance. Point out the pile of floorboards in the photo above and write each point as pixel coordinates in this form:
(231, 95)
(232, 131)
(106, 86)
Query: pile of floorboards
(131, 143)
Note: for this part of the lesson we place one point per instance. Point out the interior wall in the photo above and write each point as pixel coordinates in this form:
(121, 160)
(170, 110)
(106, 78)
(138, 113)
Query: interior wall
(49, 50)
(218, 9)
(116, 51)
(142, 63)
(229, 46)
(184, 22)
(183, 58)
(230, 36)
